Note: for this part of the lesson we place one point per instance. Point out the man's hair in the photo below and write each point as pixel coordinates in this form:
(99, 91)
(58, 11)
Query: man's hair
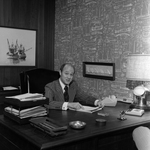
(63, 65)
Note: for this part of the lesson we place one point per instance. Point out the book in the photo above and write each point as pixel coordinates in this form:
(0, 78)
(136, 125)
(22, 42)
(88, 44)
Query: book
(87, 109)
(135, 112)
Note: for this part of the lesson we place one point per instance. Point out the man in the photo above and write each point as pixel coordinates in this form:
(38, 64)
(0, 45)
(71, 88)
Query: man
(75, 97)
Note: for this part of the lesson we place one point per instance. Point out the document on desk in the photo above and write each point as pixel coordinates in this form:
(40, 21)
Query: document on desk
(28, 97)
(88, 109)
(6, 88)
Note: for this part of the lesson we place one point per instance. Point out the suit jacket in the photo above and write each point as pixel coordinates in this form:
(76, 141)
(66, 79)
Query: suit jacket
(54, 92)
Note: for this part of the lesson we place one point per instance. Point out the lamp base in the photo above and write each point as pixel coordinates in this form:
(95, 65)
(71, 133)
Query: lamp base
(142, 101)
(144, 107)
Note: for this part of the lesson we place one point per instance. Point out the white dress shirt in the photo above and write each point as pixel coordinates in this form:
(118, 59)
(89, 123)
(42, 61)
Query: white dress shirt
(65, 104)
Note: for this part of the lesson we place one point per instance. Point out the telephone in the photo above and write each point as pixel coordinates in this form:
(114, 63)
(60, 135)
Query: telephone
(110, 101)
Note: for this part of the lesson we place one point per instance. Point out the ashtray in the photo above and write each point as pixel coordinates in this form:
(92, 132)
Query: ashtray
(77, 124)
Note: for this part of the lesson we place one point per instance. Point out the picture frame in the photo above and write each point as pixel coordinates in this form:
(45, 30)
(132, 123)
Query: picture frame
(99, 70)
(17, 46)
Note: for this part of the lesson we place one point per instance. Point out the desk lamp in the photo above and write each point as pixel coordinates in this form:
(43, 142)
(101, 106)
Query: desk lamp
(138, 69)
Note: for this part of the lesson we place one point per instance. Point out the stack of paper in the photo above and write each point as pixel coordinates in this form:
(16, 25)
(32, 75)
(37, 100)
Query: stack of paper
(88, 109)
(29, 112)
(9, 88)
(28, 97)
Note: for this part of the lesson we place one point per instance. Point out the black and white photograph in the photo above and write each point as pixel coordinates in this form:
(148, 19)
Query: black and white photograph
(17, 47)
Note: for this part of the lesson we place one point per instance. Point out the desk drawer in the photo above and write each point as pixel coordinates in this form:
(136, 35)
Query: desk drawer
(122, 141)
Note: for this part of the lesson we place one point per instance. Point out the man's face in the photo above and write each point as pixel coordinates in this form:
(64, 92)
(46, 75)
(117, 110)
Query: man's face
(66, 75)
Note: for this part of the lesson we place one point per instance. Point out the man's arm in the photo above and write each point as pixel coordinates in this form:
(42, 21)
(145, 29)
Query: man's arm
(55, 101)
(84, 98)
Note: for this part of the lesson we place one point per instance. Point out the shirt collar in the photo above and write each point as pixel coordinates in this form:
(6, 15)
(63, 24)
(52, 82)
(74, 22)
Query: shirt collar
(62, 85)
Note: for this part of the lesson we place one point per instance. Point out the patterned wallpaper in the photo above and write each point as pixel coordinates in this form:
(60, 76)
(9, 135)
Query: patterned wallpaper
(101, 31)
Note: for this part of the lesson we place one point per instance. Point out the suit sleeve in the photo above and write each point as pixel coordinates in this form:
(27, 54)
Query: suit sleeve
(83, 97)
(55, 102)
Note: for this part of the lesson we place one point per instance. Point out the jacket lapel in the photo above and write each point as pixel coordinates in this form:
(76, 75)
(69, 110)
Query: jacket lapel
(59, 91)
(72, 92)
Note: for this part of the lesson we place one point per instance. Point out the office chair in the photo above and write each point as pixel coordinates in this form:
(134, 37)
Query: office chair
(34, 80)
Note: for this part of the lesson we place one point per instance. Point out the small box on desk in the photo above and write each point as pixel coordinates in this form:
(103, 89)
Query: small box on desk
(135, 112)
(21, 111)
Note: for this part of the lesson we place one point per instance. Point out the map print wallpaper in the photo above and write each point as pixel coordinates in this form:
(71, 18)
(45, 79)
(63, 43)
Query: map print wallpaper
(101, 31)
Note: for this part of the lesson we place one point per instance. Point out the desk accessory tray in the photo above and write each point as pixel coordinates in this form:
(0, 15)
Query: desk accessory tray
(48, 125)
(23, 116)
(16, 103)
(16, 119)
(23, 104)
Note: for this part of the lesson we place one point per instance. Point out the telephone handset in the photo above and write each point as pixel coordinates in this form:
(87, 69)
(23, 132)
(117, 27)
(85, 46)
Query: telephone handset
(110, 101)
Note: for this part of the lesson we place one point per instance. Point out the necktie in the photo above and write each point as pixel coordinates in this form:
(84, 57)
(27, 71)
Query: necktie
(66, 95)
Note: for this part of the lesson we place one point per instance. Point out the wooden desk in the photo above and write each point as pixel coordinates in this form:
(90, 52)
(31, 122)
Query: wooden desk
(115, 135)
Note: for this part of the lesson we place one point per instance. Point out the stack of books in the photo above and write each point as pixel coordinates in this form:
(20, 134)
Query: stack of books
(48, 125)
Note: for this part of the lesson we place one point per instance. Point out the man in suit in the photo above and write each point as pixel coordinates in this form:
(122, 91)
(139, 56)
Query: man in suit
(73, 97)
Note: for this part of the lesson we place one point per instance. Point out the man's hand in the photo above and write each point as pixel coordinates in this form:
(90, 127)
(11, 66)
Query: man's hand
(100, 104)
(75, 105)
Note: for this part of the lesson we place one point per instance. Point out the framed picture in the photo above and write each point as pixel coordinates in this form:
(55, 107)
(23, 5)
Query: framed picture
(17, 47)
(99, 70)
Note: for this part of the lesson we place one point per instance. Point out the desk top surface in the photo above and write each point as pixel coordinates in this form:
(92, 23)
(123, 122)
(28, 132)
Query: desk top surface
(92, 127)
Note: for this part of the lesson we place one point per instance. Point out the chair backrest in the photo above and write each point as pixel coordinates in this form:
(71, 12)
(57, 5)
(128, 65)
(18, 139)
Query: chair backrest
(34, 80)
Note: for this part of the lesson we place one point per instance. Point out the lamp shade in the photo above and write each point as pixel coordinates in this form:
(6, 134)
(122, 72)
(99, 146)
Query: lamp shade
(138, 67)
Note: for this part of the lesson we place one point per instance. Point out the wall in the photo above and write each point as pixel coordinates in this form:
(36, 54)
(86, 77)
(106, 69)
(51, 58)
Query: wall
(101, 31)
(29, 14)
